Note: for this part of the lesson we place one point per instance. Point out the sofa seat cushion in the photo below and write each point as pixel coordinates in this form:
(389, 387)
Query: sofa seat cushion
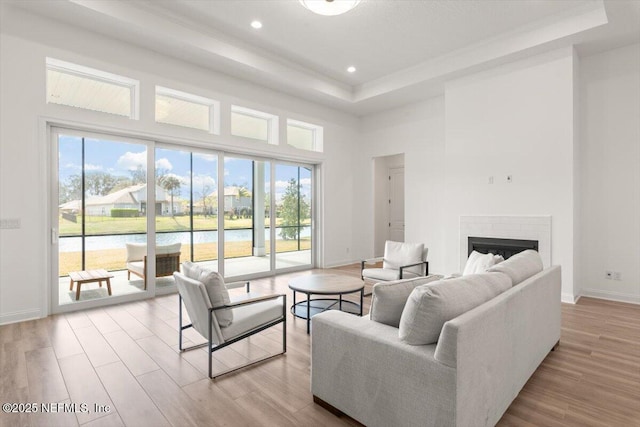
(385, 275)
(136, 266)
(430, 306)
(520, 266)
(251, 316)
(389, 298)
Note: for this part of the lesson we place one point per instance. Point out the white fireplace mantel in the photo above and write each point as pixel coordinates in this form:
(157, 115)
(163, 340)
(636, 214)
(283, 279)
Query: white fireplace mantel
(507, 227)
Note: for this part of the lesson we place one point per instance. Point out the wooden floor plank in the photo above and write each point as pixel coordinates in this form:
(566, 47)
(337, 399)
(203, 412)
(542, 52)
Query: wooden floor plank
(85, 387)
(177, 367)
(46, 383)
(132, 402)
(95, 346)
(64, 341)
(130, 353)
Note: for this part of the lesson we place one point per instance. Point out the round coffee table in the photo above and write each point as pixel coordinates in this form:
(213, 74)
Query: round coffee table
(325, 284)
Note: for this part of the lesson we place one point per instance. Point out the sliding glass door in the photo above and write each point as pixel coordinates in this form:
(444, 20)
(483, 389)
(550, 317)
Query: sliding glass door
(100, 215)
(242, 216)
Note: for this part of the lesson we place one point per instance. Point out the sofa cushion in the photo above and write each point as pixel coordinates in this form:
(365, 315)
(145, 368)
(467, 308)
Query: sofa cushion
(388, 298)
(136, 251)
(168, 249)
(520, 266)
(218, 294)
(397, 254)
(430, 306)
(191, 270)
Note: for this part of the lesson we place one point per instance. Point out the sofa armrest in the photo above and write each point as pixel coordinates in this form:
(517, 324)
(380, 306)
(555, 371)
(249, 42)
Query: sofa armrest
(363, 369)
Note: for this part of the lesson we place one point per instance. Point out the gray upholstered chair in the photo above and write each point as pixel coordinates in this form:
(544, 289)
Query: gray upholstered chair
(400, 261)
(222, 320)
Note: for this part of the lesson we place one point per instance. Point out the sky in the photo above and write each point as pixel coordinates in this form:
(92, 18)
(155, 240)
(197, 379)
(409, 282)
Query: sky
(120, 158)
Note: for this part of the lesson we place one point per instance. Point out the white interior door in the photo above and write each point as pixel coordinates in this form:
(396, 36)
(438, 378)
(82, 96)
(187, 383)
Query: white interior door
(396, 204)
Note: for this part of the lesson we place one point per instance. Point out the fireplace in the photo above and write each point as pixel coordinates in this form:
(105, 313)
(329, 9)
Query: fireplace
(504, 247)
(500, 229)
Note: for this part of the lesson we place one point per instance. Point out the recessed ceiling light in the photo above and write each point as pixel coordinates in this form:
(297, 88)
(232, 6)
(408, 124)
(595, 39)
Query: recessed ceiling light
(256, 24)
(351, 69)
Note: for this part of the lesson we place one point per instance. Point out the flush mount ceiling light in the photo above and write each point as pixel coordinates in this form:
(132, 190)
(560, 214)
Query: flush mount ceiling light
(351, 69)
(256, 24)
(329, 7)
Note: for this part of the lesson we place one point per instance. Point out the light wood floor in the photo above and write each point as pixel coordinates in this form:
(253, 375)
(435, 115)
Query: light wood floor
(125, 357)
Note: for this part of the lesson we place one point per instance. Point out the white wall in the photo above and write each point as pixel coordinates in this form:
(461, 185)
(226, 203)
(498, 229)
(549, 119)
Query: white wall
(417, 130)
(517, 120)
(610, 173)
(26, 40)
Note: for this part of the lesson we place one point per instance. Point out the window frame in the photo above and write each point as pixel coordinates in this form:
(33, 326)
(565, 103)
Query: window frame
(272, 123)
(318, 134)
(78, 70)
(212, 104)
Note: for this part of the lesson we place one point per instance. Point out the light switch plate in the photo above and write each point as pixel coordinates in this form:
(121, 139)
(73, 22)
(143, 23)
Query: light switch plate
(9, 223)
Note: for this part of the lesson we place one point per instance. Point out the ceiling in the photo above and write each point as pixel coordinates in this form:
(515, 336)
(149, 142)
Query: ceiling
(403, 50)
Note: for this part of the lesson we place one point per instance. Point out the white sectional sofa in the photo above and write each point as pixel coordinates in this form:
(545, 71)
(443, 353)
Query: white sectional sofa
(481, 360)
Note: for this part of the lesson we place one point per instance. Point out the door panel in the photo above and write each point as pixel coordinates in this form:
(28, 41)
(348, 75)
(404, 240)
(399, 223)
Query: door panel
(396, 204)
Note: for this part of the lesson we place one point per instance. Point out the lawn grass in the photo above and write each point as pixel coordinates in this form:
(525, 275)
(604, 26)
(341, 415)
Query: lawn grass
(114, 259)
(109, 225)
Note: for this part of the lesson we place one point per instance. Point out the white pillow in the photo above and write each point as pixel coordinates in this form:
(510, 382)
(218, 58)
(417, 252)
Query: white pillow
(430, 306)
(388, 298)
(478, 263)
(218, 294)
(168, 249)
(191, 270)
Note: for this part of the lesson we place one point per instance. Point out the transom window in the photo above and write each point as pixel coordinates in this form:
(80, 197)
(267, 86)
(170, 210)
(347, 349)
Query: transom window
(304, 136)
(254, 124)
(188, 110)
(83, 87)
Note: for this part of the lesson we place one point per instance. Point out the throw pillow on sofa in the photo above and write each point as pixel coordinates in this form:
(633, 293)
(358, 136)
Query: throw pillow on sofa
(480, 263)
(520, 266)
(388, 298)
(430, 306)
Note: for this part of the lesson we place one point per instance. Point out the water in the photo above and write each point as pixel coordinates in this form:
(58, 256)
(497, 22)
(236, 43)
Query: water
(94, 243)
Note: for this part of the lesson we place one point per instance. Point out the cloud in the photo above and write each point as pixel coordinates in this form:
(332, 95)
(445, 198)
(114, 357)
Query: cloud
(202, 181)
(164, 163)
(90, 167)
(207, 157)
(132, 161)
(72, 166)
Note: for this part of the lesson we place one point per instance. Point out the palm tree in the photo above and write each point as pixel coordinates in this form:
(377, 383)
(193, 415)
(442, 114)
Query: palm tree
(171, 183)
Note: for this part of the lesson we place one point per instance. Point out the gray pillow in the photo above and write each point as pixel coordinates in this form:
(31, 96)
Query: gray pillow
(520, 267)
(388, 298)
(430, 306)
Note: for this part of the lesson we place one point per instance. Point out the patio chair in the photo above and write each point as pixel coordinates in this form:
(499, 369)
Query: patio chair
(400, 261)
(223, 321)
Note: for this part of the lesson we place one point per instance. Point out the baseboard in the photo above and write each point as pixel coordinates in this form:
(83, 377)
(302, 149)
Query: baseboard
(569, 298)
(19, 316)
(610, 295)
(341, 264)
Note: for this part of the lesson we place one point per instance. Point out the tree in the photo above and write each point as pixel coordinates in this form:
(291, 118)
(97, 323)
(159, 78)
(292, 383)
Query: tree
(138, 175)
(171, 183)
(99, 183)
(294, 210)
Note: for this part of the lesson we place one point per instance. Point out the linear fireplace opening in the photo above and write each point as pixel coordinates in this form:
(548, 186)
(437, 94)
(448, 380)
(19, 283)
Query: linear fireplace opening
(504, 247)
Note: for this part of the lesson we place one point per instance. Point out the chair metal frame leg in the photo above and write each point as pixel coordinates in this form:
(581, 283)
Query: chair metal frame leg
(213, 348)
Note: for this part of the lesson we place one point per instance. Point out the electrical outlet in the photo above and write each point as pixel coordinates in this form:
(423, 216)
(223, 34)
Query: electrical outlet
(347, 250)
(608, 275)
(491, 180)
(617, 275)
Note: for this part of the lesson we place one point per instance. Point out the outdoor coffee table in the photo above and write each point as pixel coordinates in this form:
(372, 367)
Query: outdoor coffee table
(81, 277)
(325, 284)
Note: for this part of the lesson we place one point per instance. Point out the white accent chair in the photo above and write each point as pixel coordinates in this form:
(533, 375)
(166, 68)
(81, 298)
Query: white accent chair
(167, 260)
(400, 261)
(224, 321)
